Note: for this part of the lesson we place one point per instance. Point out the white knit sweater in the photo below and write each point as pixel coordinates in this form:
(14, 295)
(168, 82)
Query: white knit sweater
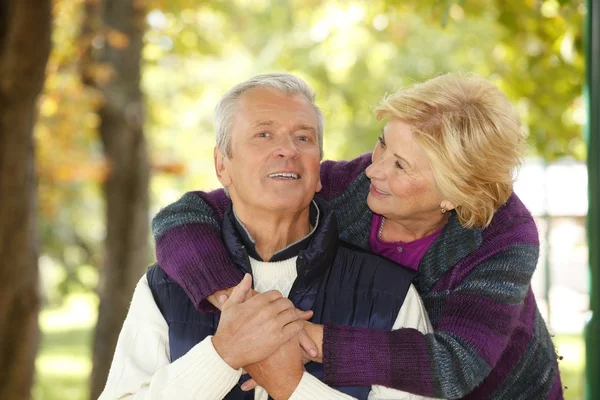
(141, 367)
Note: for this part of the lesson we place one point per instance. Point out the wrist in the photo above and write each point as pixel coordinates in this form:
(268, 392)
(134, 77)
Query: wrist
(222, 349)
(285, 389)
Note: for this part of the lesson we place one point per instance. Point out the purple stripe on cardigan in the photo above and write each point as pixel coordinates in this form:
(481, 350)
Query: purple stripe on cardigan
(512, 354)
(179, 254)
(359, 352)
(465, 266)
(411, 362)
(488, 332)
(217, 200)
(369, 369)
(513, 213)
(336, 176)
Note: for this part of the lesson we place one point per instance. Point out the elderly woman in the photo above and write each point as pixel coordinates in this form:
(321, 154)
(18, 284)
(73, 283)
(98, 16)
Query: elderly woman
(435, 195)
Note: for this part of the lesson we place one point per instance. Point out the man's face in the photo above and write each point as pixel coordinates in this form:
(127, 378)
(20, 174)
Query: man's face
(275, 156)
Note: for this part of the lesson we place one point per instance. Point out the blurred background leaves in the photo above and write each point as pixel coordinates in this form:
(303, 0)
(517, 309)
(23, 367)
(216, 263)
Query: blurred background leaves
(351, 52)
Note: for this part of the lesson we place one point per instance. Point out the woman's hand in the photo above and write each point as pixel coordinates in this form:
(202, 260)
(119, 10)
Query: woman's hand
(314, 333)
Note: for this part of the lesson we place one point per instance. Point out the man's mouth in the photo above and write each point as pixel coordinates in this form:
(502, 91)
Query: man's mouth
(284, 175)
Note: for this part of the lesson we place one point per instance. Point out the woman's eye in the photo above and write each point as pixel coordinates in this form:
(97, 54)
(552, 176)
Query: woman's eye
(381, 141)
(398, 165)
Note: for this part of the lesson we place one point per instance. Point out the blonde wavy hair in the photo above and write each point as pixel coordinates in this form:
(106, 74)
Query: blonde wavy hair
(471, 135)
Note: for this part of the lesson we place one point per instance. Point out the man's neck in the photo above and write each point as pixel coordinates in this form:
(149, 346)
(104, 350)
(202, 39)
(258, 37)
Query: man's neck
(273, 231)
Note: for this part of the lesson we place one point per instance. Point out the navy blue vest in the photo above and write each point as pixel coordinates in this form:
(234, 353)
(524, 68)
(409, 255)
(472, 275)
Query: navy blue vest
(342, 284)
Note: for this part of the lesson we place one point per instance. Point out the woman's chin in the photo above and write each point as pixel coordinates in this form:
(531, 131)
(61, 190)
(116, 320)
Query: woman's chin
(372, 203)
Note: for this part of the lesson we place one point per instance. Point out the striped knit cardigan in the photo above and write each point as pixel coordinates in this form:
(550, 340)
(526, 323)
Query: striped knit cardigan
(489, 340)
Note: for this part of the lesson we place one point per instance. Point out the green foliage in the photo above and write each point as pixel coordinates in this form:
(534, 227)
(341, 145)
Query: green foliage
(352, 53)
(355, 52)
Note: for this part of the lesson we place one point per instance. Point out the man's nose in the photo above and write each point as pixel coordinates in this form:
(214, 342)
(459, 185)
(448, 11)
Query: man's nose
(287, 148)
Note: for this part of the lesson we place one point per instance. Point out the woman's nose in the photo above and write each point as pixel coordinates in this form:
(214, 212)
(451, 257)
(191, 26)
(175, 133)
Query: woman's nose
(375, 170)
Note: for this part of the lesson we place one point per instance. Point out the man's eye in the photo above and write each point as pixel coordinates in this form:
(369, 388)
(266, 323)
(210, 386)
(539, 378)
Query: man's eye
(303, 138)
(398, 165)
(263, 134)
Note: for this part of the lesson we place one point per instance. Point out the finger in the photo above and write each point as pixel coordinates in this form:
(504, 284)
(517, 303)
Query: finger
(290, 330)
(214, 300)
(280, 305)
(251, 293)
(286, 316)
(223, 298)
(271, 295)
(263, 299)
(249, 385)
(307, 343)
(305, 315)
(306, 358)
(238, 295)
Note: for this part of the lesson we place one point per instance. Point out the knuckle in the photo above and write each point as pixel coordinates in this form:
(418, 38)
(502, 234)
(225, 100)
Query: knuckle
(276, 294)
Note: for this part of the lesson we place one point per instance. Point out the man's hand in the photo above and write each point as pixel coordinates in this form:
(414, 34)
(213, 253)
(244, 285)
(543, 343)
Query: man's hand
(307, 343)
(249, 331)
(313, 335)
(281, 372)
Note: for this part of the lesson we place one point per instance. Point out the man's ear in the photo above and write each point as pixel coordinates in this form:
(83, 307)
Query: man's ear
(319, 185)
(221, 167)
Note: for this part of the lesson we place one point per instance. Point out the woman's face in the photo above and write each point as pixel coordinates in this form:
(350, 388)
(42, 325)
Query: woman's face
(402, 183)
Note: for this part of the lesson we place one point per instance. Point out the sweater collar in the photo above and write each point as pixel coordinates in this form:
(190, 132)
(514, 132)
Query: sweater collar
(289, 251)
(312, 261)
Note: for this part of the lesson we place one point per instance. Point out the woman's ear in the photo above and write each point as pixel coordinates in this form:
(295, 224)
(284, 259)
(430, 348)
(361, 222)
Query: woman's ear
(446, 205)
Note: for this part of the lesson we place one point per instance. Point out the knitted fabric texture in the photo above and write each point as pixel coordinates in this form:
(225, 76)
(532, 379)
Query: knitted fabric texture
(489, 339)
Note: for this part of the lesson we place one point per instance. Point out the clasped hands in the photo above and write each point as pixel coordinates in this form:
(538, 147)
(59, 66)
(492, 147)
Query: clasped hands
(267, 336)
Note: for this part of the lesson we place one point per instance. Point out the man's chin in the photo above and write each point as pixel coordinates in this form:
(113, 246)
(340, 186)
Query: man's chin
(284, 204)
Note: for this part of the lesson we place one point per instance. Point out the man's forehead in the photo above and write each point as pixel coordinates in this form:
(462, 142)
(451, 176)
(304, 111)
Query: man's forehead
(271, 123)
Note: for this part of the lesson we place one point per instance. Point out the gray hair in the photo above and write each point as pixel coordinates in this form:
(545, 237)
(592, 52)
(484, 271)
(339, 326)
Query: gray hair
(284, 82)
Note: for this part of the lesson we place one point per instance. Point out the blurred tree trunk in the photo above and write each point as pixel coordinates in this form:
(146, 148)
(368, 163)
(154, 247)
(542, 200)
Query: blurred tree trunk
(25, 28)
(115, 30)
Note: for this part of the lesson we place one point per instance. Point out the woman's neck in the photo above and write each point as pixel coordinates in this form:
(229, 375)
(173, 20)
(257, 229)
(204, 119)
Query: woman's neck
(396, 230)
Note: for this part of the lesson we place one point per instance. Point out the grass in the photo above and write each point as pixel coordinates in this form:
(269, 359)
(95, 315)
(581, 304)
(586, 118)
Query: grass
(572, 366)
(63, 364)
(64, 360)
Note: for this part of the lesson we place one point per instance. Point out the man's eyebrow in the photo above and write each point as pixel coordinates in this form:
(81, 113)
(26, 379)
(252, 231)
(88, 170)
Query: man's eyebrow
(304, 127)
(260, 124)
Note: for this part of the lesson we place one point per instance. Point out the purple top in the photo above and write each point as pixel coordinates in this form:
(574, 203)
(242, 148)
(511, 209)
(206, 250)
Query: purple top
(408, 254)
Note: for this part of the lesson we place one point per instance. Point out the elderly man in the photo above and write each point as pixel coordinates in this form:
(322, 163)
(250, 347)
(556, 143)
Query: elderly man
(269, 147)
